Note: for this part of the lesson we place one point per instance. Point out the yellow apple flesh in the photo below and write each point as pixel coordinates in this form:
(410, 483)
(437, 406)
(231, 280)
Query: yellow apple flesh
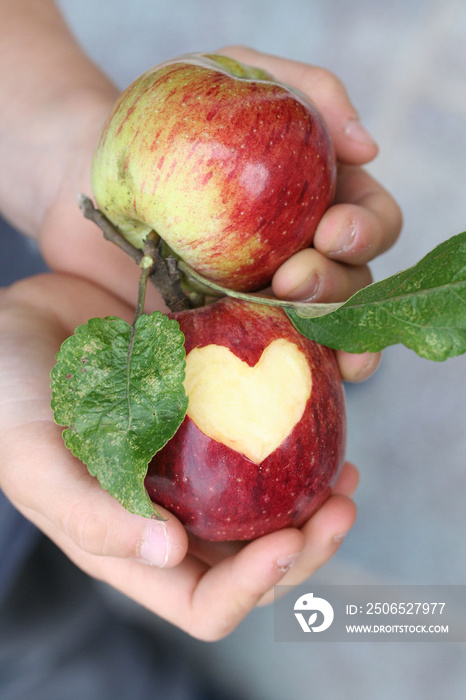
(264, 436)
(250, 409)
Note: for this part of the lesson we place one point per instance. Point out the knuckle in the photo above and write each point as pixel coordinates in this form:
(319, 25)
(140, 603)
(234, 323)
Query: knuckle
(322, 82)
(324, 76)
(88, 529)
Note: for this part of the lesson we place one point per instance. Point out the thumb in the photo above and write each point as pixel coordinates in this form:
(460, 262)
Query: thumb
(70, 506)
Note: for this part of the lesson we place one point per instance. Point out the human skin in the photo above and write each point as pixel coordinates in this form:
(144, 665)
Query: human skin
(47, 135)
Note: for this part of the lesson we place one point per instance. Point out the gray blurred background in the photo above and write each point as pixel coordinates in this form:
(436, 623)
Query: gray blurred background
(404, 64)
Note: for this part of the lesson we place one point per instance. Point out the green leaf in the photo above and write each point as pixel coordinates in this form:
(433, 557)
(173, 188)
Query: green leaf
(424, 308)
(120, 394)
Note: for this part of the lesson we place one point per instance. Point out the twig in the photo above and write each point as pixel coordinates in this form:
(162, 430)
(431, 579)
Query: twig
(108, 229)
(165, 275)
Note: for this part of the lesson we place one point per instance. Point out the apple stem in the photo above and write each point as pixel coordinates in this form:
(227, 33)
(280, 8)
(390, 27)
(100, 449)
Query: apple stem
(163, 273)
(169, 275)
(147, 264)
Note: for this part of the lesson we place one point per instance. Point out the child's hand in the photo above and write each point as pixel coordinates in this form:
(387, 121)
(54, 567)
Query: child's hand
(363, 222)
(206, 589)
(203, 588)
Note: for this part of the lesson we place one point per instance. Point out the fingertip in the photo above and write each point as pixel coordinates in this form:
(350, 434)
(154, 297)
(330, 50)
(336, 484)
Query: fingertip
(348, 481)
(354, 143)
(311, 276)
(348, 512)
(289, 551)
(295, 276)
(271, 556)
(356, 368)
(334, 520)
(243, 579)
(163, 543)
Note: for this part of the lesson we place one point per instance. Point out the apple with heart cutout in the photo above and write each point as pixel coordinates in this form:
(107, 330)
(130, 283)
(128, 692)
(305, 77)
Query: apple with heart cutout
(231, 168)
(263, 439)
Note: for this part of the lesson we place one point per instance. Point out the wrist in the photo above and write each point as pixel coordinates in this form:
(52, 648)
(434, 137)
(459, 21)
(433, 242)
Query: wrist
(47, 161)
(69, 243)
(51, 95)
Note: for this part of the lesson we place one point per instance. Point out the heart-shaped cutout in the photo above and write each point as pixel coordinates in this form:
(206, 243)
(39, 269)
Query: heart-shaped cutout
(250, 409)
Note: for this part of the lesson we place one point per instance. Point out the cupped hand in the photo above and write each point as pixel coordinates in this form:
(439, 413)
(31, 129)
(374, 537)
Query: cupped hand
(203, 588)
(364, 220)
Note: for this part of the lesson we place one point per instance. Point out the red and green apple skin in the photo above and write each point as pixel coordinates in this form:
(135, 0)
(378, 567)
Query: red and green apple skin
(232, 169)
(218, 492)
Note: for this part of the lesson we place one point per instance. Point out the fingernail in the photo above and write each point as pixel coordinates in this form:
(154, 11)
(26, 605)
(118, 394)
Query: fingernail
(285, 563)
(340, 537)
(307, 289)
(155, 545)
(369, 367)
(344, 240)
(355, 131)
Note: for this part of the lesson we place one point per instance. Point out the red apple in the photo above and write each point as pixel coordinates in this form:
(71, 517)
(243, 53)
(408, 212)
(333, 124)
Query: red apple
(231, 168)
(264, 436)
